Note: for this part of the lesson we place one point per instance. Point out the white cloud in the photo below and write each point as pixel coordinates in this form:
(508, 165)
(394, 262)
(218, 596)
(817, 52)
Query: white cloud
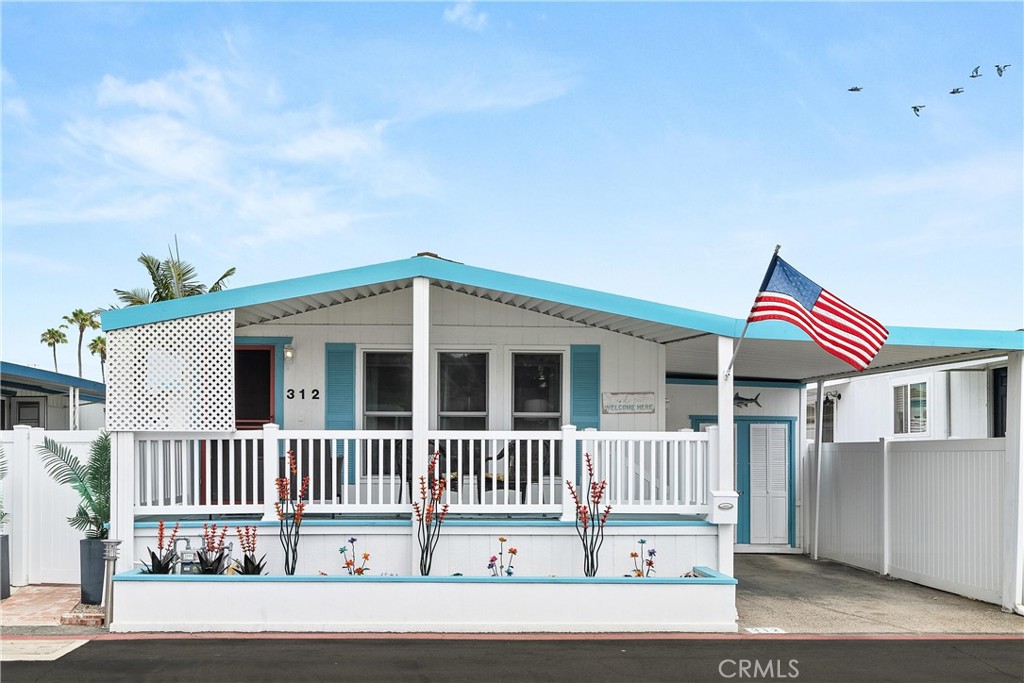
(334, 143)
(157, 144)
(466, 15)
(156, 95)
(16, 108)
(183, 92)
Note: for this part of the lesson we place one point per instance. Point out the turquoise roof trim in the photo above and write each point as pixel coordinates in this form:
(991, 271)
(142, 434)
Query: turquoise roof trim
(449, 271)
(27, 375)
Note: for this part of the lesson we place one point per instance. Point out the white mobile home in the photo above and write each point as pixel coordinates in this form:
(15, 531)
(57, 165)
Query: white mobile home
(512, 381)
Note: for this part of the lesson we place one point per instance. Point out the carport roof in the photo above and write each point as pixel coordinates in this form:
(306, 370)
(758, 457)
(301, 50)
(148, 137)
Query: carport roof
(771, 351)
(14, 376)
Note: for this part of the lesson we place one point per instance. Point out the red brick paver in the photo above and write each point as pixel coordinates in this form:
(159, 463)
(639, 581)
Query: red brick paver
(39, 605)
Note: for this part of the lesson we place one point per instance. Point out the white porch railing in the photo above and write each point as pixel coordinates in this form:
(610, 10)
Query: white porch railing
(663, 472)
(374, 472)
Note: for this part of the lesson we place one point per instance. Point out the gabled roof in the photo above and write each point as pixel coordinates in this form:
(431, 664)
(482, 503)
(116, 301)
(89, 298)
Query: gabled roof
(771, 350)
(23, 377)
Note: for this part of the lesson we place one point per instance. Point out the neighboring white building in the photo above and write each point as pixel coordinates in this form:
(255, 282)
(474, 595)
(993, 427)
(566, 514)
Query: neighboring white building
(964, 400)
(52, 400)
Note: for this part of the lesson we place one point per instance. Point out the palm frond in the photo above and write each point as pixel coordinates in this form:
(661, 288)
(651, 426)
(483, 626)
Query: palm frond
(222, 281)
(134, 297)
(91, 481)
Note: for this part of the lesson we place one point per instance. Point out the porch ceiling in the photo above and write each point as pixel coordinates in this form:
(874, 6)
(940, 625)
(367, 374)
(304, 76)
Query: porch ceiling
(803, 361)
(283, 308)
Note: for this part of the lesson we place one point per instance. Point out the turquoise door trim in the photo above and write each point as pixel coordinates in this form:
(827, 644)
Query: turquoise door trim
(278, 344)
(743, 469)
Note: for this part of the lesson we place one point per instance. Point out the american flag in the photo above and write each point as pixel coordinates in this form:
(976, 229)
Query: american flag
(833, 324)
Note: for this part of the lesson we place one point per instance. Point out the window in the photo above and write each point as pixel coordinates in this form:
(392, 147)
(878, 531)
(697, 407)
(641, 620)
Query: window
(910, 408)
(999, 380)
(828, 419)
(536, 391)
(28, 411)
(462, 390)
(388, 386)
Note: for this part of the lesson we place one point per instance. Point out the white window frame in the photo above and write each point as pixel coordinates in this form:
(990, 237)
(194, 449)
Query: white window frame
(361, 377)
(436, 389)
(907, 383)
(509, 387)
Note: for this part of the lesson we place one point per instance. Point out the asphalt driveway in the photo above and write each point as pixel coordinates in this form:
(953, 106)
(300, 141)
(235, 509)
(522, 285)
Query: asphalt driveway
(798, 595)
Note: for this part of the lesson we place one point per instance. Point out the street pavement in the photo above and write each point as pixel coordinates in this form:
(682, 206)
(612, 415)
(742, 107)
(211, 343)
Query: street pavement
(563, 660)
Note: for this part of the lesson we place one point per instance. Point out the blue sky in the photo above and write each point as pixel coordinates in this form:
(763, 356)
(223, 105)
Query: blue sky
(652, 150)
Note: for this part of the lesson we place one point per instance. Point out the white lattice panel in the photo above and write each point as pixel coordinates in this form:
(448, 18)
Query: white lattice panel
(177, 375)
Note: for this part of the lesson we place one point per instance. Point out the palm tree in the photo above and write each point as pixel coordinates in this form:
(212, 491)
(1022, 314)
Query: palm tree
(51, 338)
(98, 346)
(82, 320)
(172, 278)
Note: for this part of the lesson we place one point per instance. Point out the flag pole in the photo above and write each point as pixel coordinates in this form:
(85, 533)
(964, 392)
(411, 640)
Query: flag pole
(736, 351)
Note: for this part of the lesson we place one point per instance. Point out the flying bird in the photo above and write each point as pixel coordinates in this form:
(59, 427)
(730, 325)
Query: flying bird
(1001, 69)
(917, 109)
(976, 73)
(857, 88)
(956, 91)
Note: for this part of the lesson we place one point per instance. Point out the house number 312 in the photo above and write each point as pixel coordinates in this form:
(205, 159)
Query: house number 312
(301, 393)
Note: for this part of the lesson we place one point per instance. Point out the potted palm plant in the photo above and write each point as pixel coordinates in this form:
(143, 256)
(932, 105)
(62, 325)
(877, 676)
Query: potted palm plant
(92, 482)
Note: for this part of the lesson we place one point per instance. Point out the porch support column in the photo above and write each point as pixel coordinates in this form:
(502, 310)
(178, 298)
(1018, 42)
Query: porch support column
(420, 394)
(819, 419)
(1013, 488)
(726, 474)
(122, 495)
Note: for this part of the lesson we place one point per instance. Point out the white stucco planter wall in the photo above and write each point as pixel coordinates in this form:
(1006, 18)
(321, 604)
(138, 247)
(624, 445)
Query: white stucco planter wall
(177, 603)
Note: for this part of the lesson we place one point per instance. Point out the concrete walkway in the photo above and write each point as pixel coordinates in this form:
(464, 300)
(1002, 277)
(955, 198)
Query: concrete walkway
(798, 595)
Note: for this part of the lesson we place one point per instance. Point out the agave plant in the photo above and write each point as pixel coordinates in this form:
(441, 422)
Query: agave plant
(91, 481)
(162, 561)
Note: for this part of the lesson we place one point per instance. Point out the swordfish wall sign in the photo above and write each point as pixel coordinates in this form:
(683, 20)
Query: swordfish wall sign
(742, 402)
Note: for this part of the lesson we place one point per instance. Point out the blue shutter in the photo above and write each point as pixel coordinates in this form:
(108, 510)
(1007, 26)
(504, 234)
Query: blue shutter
(584, 391)
(340, 392)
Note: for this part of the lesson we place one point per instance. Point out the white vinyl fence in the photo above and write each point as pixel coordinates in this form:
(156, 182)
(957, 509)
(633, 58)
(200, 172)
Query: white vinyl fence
(44, 547)
(925, 511)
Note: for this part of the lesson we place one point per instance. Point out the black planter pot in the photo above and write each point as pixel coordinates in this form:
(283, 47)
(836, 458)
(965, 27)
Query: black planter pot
(92, 571)
(5, 567)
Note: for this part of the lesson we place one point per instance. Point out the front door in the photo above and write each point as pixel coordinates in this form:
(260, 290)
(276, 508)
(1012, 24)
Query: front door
(254, 386)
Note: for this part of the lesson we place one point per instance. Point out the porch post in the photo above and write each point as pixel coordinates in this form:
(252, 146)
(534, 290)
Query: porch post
(122, 494)
(819, 416)
(1013, 488)
(420, 394)
(568, 471)
(726, 474)
(270, 471)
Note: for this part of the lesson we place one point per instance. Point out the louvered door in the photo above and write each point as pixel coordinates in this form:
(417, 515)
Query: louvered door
(769, 480)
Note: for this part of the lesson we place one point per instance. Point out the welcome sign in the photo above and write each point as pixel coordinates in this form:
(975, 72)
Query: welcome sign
(627, 402)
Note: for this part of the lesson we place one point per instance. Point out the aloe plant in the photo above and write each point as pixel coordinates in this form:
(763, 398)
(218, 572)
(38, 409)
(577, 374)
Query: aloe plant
(91, 480)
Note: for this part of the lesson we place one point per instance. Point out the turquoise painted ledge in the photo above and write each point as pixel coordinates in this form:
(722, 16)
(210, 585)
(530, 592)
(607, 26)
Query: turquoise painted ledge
(497, 523)
(707, 576)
